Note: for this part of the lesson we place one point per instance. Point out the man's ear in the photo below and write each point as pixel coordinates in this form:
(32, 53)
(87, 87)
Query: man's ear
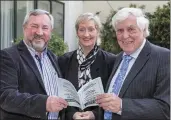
(24, 26)
(51, 29)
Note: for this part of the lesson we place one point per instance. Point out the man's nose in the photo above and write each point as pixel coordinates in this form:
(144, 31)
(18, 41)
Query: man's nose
(125, 34)
(39, 31)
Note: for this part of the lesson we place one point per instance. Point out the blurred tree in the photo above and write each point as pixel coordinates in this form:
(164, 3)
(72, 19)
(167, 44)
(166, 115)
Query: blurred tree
(108, 36)
(160, 26)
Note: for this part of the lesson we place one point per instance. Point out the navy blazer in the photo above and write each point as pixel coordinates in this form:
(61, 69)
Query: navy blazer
(146, 90)
(102, 67)
(22, 92)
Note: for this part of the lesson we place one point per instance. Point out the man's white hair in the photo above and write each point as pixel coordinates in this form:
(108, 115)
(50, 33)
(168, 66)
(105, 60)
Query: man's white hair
(124, 13)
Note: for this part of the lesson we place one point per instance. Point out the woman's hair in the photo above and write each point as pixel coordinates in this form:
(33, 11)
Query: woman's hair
(38, 12)
(90, 16)
(124, 13)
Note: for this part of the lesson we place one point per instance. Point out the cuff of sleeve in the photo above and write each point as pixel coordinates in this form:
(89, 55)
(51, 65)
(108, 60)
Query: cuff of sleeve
(120, 112)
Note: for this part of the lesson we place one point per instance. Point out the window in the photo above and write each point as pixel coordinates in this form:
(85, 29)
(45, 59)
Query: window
(7, 18)
(58, 14)
(22, 8)
(13, 13)
(45, 5)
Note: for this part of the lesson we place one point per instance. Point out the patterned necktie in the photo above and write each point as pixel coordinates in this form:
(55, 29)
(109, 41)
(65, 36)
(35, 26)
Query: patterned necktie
(118, 82)
(39, 60)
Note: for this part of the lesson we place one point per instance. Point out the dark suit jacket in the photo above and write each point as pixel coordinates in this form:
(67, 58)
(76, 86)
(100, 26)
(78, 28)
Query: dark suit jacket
(146, 90)
(22, 92)
(101, 67)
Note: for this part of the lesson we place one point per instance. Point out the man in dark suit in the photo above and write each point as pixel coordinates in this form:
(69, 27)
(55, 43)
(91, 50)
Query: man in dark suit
(139, 86)
(29, 73)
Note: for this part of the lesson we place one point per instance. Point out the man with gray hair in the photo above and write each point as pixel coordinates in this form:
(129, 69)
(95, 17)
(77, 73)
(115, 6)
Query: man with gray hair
(138, 87)
(29, 73)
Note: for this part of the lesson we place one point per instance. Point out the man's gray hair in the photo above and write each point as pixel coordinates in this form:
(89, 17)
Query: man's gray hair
(142, 21)
(38, 12)
(90, 16)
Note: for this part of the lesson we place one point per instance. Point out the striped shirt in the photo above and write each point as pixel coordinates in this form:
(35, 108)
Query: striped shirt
(48, 74)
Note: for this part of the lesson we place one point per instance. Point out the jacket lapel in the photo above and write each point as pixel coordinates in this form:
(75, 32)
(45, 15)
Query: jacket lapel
(25, 54)
(72, 70)
(115, 67)
(54, 63)
(136, 68)
(95, 67)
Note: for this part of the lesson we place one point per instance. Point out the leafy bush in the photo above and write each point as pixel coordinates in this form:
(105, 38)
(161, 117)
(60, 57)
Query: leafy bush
(159, 29)
(160, 26)
(56, 44)
(108, 36)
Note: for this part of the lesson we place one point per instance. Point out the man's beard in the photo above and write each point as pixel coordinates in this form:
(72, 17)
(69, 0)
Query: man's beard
(39, 47)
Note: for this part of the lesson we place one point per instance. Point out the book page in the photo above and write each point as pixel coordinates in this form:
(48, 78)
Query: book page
(89, 91)
(67, 91)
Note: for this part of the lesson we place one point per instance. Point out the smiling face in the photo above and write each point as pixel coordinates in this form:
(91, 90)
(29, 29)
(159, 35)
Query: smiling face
(129, 35)
(37, 32)
(87, 34)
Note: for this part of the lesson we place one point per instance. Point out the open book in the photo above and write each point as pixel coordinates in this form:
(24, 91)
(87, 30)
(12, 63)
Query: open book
(85, 97)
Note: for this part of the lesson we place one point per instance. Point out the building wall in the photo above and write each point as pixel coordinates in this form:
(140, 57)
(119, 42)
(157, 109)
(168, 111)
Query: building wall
(106, 6)
(72, 10)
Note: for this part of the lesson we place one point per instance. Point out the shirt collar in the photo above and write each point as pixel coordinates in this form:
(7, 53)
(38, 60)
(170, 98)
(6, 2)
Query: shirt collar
(137, 52)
